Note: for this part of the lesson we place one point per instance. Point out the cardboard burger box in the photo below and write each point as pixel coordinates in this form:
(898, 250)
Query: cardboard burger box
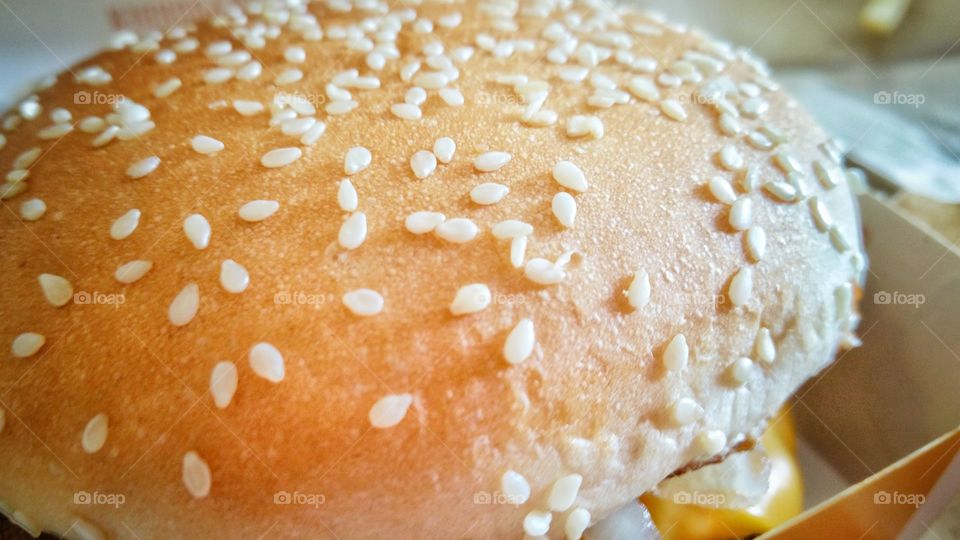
(878, 430)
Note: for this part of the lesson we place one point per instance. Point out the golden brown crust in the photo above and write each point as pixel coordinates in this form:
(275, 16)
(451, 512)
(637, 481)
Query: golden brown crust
(591, 399)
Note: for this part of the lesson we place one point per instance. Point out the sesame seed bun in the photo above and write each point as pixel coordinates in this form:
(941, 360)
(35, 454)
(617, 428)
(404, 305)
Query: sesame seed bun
(350, 364)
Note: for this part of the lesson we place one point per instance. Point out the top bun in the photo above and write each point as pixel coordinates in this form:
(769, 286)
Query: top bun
(636, 266)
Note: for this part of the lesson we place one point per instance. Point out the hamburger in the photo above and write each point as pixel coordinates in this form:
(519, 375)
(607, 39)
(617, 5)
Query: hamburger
(422, 270)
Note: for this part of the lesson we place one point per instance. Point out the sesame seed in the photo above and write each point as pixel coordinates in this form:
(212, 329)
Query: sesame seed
(638, 295)
(295, 55)
(471, 299)
(750, 179)
(676, 354)
(684, 411)
(11, 189)
(258, 210)
(741, 214)
(423, 222)
(820, 213)
(312, 135)
(337, 108)
(125, 225)
(710, 443)
(644, 88)
(518, 251)
(431, 80)
(457, 230)
(756, 242)
(580, 125)
(143, 167)
(250, 71)
(60, 115)
(356, 159)
(415, 96)
(26, 158)
(196, 475)
(829, 176)
(729, 125)
(741, 371)
(105, 136)
(90, 124)
(673, 109)
(223, 383)
(564, 492)
(423, 163)
(297, 126)
(451, 96)
(218, 48)
(520, 342)
(217, 75)
(544, 272)
(206, 145)
(27, 344)
(787, 163)
(280, 157)
(569, 176)
(288, 76)
(353, 231)
(33, 209)
(731, 158)
(564, 209)
(444, 149)
(491, 161)
(363, 302)
(233, 276)
(197, 229)
(489, 193)
(267, 362)
(389, 410)
(722, 190)
(406, 111)
(754, 107)
(741, 286)
(781, 191)
(511, 228)
(54, 131)
(376, 61)
(764, 346)
(56, 289)
(17, 175)
(347, 195)
(95, 434)
(537, 522)
(515, 487)
(132, 271)
(577, 522)
(839, 241)
(184, 306)
(843, 298)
